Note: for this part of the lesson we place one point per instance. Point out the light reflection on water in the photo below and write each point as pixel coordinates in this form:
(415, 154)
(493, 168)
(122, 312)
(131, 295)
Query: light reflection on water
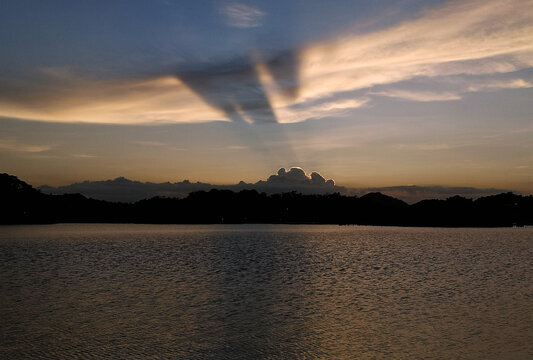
(265, 292)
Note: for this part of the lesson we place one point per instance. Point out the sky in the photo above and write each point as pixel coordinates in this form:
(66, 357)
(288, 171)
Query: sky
(368, 93)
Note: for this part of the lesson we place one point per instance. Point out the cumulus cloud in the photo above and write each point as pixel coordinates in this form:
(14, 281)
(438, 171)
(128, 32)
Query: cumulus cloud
(295, 179)
(297, 175)
(242, 15)
(122, 189)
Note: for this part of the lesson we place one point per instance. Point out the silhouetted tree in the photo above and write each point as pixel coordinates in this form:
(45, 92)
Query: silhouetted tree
(22, 204)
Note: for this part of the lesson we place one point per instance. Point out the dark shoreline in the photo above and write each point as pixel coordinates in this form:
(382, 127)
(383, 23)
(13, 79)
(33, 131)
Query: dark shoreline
(269, 224)
(22, 204)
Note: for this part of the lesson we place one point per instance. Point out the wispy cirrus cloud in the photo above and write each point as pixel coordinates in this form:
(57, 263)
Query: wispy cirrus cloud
(328, 108)
(467, 39)
(242, 15)
(427, 146)
(84, 156)
(493, 85)
(418, 95)
(14, 145)
(460, 88)
(162, 99)
(448, 40)
(150, 143)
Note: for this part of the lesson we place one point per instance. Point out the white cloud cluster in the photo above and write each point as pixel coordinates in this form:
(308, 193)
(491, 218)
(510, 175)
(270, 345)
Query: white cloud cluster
(297, 176)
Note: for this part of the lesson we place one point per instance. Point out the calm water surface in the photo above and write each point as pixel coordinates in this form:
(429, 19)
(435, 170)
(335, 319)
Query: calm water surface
(265, 292)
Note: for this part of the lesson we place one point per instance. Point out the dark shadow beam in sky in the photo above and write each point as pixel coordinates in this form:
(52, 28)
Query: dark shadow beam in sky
(236, 89)
(285, 70)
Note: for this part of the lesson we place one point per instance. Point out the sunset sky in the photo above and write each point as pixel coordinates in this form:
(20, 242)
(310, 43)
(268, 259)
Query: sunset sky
(368, 93)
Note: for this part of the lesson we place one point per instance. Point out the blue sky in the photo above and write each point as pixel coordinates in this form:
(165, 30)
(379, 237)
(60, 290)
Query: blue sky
(132, 37)
(368, 93)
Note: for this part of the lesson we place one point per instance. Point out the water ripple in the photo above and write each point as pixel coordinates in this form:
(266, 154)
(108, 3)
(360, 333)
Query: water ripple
(265, 292)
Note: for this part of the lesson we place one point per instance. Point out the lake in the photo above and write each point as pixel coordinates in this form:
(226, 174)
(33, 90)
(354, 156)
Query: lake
(85, 291)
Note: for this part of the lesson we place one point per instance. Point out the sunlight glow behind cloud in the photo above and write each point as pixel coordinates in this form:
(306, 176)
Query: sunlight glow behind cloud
(444, 41)
(461, 38)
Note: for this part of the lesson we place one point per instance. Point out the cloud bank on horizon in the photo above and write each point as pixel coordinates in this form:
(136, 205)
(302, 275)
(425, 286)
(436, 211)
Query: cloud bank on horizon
(295, 179)
(122, 189)
(445, 52)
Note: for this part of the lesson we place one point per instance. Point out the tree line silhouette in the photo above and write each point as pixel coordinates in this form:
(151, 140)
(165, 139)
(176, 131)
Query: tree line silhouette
(22, 204)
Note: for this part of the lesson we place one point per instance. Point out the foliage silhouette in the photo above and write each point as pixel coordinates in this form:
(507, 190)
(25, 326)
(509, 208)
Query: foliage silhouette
(22, 204)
